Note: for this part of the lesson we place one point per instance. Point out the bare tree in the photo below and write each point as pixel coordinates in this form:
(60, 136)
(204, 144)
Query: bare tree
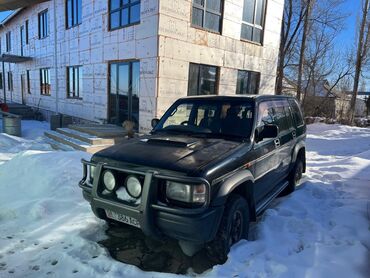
(306, 22)
(362, 53)
(294, 12)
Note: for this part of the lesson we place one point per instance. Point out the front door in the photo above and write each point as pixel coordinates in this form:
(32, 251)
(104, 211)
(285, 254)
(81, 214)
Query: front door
(23, 89)
(266, 153)
(124, 92)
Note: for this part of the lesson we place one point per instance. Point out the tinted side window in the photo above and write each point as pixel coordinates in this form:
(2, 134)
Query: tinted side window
(297, 115)
(265, 113)
(281, 119)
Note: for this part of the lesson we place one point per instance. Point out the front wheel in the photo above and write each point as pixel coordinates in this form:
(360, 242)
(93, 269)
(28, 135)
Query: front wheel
(234, 226)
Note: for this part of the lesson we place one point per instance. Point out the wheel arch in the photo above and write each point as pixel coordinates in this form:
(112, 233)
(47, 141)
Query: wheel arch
(300, 153)
(241, 183)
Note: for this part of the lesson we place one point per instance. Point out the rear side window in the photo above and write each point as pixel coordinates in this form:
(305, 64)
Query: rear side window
(297, 114)
(281, 115)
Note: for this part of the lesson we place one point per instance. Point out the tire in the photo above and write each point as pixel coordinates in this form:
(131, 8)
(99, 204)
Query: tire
(234, 226)
(294, 178)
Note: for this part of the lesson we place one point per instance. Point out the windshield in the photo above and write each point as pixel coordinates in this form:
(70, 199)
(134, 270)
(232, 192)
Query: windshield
(213, 118)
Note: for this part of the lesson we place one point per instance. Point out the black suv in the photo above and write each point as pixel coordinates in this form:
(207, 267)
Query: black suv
(210, 165)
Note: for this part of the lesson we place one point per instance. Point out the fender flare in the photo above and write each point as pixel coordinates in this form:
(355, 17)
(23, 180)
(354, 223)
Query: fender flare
(232, 183)
(297, 148)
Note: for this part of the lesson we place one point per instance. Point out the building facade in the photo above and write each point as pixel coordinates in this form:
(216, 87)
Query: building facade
(108, 61)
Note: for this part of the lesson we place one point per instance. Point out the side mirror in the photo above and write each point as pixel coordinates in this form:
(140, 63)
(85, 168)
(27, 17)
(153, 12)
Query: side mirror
(155, 122)
(267, 131)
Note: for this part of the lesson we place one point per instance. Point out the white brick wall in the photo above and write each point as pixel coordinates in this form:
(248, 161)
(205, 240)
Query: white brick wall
(164, 42)
(180, 43)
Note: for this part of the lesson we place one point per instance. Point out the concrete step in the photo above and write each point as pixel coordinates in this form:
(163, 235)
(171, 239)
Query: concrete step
(57, 145)
(101, 131)
(85, 137)
(73, 142)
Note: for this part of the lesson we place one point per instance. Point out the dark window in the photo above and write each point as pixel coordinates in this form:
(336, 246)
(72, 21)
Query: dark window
(8, 41)
(23, 38)
(207, 14)
(248, 82)
(26, 26)
(73, 12)
(74, 82)
(203, 80)
(282, 115)
(124, 92)
(274, 112)
(1, 80)
(28, 82)
(297, 114)
(45, 82)
(10, 81)
(253, 20)
(43, 24)
(123, 13)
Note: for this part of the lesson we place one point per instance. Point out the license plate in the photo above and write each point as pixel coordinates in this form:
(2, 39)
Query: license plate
(122, 218)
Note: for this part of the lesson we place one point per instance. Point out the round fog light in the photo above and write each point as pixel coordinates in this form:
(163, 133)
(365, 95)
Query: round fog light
(109, 180)
(133, 186)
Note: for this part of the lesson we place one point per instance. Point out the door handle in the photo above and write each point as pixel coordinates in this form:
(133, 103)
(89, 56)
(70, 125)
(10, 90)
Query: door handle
(294, 134)
(277, 143)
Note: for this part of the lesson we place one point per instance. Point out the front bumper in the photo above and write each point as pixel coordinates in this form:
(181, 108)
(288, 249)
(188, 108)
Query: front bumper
(198, 225)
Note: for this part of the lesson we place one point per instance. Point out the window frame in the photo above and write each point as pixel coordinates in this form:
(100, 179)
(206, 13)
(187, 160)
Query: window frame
(43, 17)
(249, 72)
(120, 9)
(74, 69)
(47, 91)
(74, 17)
(204, 11)
(8, 41)
(217, 81)
(254, 25)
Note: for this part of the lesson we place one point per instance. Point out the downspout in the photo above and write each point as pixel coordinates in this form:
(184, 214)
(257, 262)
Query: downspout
(56, 58)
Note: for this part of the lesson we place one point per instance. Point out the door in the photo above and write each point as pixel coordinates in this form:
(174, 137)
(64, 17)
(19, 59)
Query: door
(23, 88)
(286, 137)
(266, 153)
(124, 92)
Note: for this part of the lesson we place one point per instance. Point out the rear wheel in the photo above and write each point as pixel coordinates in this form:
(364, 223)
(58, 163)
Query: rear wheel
(294, 178)
(234, 226)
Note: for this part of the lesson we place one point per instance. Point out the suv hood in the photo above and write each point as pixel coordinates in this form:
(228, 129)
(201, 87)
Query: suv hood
(171, 152)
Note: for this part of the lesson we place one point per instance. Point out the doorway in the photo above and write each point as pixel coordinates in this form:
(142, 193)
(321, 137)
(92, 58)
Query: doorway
(123, 94)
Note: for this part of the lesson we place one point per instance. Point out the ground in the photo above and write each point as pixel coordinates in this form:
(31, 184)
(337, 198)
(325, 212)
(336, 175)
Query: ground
(321, 230)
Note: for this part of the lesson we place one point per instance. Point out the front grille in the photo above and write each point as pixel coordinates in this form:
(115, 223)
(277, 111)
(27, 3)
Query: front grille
(119, 194)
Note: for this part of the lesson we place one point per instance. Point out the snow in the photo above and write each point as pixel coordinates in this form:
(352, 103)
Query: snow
(321, 230)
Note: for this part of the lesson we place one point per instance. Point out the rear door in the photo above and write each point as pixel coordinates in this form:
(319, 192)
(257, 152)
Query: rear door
(287, 134)
(300, 127)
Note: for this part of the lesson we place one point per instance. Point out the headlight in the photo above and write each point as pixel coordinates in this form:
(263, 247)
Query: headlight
(133, 186)
(185, 192)
(109, 180)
